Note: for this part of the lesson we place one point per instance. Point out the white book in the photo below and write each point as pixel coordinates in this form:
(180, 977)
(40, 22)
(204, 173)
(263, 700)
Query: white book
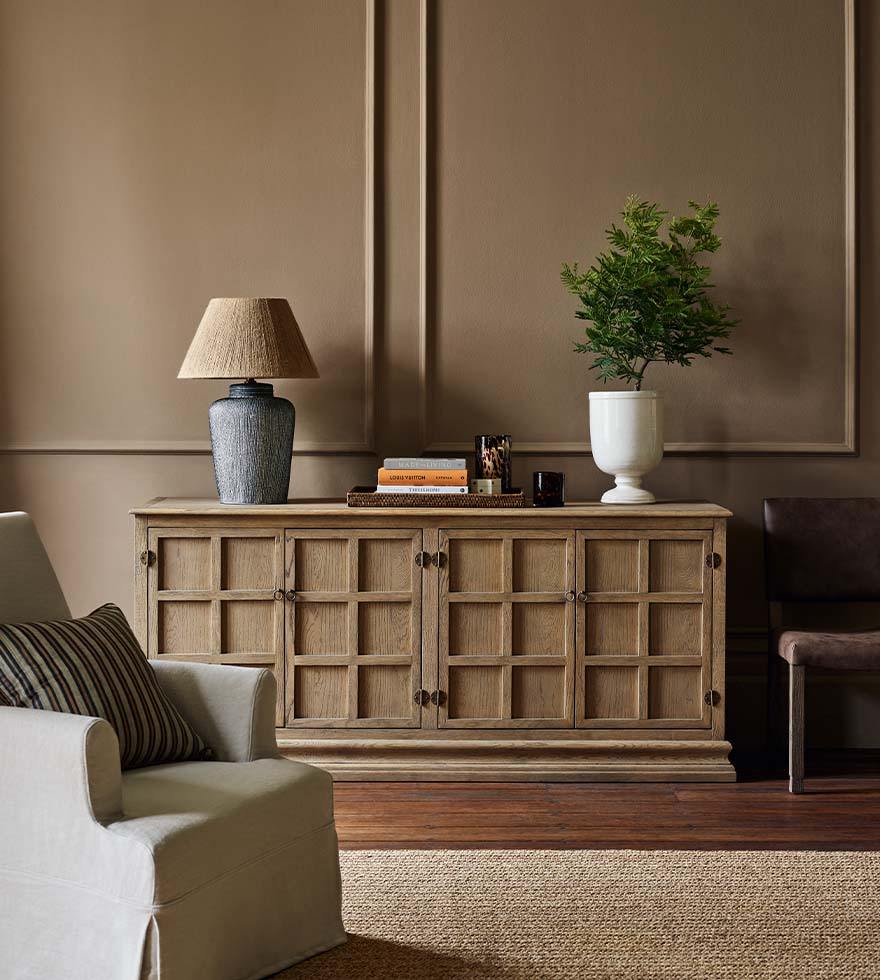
(419, 488)
(423, 463)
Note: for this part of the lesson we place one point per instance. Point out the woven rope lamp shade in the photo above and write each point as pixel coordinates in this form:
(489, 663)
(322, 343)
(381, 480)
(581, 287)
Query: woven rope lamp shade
(248, 338)
(251, 430)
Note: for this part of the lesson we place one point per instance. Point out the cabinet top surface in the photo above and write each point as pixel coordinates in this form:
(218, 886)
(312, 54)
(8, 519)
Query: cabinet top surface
(205, 506)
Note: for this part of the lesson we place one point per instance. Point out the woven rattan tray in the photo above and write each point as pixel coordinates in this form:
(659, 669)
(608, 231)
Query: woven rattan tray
(367, 497)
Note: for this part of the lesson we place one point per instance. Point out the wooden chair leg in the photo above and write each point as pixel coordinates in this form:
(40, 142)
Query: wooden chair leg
(796, 677)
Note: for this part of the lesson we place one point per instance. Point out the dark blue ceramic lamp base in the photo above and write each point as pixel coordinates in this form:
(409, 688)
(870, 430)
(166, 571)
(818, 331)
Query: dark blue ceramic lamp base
(252, 438)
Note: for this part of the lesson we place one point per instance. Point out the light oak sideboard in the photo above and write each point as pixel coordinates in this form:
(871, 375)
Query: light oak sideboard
(575, 643)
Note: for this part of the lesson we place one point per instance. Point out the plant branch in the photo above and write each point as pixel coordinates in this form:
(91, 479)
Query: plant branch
(647, 297)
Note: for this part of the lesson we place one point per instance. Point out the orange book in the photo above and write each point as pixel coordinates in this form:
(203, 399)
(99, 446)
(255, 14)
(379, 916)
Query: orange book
(430, 478)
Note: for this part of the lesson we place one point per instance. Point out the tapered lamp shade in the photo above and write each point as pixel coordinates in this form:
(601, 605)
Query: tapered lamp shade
(251, 430)
(248, 338)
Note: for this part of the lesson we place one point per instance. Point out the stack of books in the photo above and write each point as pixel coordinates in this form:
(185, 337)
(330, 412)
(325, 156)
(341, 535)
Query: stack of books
(412, 474)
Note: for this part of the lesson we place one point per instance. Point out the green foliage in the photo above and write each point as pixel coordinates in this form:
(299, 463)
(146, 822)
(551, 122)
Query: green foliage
(647, 299)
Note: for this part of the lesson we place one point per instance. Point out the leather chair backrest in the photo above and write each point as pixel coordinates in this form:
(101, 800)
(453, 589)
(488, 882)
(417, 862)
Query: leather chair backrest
(822, 549)
(29, 589)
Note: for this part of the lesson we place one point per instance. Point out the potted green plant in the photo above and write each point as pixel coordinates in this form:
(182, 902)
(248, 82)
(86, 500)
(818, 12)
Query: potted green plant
(646, 301)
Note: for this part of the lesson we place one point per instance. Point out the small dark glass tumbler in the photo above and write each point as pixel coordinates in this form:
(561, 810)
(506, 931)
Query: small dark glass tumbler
(548, 489)
(492, 459)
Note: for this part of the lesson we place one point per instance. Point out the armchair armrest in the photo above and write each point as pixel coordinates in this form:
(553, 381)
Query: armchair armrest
(59, 767)
(60, 781)
(232, 708)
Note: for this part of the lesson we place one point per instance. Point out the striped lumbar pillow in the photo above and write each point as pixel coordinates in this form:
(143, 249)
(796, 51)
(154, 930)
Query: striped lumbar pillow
(95, 666)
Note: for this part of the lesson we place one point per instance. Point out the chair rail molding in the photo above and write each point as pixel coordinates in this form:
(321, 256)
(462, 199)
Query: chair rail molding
(847, 446)
(202, 447)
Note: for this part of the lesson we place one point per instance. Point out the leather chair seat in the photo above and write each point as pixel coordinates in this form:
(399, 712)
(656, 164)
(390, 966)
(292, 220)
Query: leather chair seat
(832, 650)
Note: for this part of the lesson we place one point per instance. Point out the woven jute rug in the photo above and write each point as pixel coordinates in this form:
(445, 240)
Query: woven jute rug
(548, 915)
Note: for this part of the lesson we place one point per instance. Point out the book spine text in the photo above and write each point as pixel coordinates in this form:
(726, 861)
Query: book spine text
(443, 478)
(423, 463)
(420, 489)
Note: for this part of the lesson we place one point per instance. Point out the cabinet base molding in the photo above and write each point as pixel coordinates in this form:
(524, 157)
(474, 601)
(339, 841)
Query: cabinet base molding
(444, 760)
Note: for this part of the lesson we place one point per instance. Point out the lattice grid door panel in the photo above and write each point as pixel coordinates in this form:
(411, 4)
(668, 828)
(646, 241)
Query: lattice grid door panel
(353, 628)
(506, 624)
(215, 597)
(644, 629)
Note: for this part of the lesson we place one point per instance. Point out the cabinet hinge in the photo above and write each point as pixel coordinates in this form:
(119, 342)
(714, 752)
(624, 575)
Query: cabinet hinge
(438, 559)
(711, 698)
(148, 557)
(438, 697)
(421, 697)
(423, 559)
(713, 560)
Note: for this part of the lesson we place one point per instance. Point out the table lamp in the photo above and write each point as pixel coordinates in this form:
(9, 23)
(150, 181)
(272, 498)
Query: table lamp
(251, 430)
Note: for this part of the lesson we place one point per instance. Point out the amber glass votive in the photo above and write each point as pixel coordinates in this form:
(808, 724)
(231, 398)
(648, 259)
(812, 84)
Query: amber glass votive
(548, 488)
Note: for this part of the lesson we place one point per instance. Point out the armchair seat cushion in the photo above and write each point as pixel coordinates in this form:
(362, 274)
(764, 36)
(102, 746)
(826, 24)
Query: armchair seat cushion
(832, 650)
(201, 821)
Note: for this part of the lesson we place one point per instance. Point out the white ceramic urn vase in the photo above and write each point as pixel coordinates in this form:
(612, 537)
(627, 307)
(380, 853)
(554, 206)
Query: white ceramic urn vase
(626, 437)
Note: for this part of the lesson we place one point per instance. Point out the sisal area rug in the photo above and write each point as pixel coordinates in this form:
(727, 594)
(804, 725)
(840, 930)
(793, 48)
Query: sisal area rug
(554, 915)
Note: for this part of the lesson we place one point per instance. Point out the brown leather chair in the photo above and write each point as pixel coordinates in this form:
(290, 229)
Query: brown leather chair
(819, 550)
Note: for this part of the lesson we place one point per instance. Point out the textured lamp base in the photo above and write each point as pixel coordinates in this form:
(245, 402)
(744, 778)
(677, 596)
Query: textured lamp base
(251, 439)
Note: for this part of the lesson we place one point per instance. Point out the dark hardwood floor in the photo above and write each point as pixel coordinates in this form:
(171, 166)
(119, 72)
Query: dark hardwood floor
(839, 811)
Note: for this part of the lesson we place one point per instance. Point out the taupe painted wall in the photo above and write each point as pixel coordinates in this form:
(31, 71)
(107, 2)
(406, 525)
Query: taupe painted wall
(153, 156)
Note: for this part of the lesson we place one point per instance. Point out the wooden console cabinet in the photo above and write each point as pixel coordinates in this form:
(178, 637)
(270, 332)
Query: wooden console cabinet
(581, 643)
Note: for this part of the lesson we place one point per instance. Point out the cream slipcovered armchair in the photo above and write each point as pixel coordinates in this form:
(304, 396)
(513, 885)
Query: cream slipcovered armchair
(221, 870)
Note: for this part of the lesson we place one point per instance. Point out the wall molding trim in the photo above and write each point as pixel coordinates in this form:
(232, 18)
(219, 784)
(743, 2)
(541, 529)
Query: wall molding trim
(366, 446)
(424, 204)
(848, 446)
(370, 178)
(202, 447)
(193, 447)
(670, 448)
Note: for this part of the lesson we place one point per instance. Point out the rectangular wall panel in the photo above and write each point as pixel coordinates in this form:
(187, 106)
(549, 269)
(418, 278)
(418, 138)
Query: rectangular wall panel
(536, 134)
(156, 155)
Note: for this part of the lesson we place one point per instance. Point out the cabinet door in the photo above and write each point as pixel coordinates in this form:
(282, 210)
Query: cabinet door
(506, 622)
(644, 629)
(214, 598)
(353, 630)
